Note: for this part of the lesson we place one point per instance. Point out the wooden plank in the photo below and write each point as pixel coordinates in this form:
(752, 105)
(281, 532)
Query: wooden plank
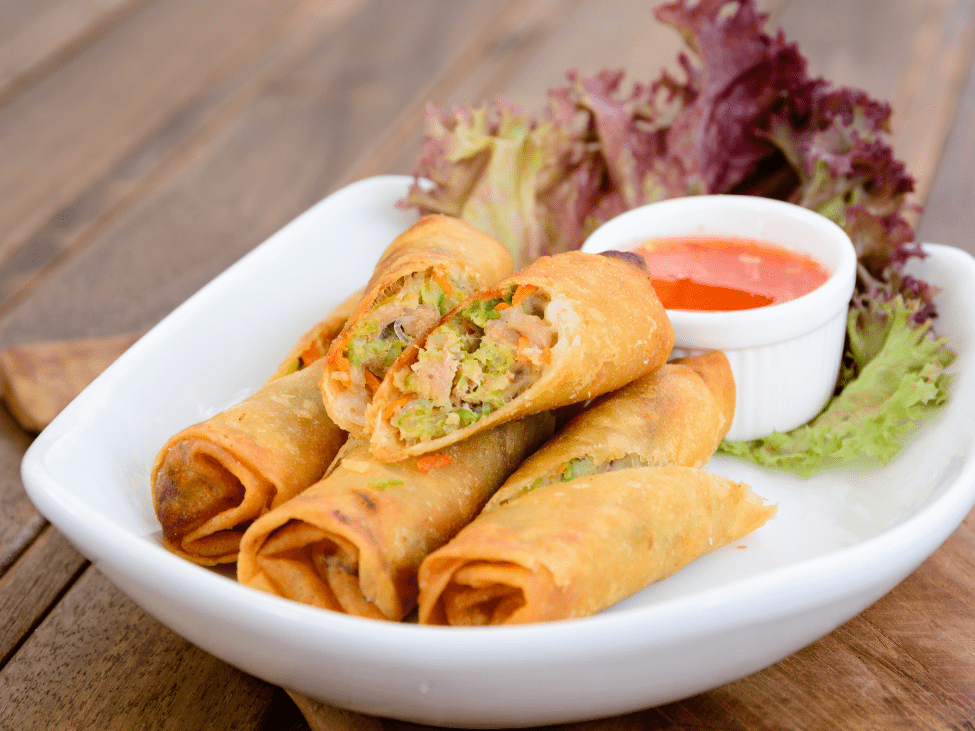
(848, 43)
(38, 36)
(37, 380)
(189, 123)
(215, 187)
(269, 162)
(217, 104)
(32, 585)
(66, 132)
(248, 175)
(914, 54)
(927, 102)
(515, 33)
(98, 661)
(239, 184)
(20, 523)
(947, 210)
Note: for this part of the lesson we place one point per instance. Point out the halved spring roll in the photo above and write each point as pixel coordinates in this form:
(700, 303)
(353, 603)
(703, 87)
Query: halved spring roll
(422, 275)
(572, 549)
(563, 330)
(353, 541)
(212, 479)
(676, 415)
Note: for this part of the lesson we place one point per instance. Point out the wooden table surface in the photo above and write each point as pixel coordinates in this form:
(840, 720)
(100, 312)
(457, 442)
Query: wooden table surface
(145, 145)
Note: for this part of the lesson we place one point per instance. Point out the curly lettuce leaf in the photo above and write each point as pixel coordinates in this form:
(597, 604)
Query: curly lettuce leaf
(899, 377)
(747, 119)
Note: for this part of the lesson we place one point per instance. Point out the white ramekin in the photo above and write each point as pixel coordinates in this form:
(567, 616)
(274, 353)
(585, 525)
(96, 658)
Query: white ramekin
(785, 357)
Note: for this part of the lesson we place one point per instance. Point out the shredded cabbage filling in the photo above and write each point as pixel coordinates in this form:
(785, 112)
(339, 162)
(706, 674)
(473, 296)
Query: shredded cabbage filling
(487, 354)
(404, 312)
(581, 467)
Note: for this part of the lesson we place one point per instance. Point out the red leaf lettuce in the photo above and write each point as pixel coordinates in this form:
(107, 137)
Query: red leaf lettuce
(746, 118)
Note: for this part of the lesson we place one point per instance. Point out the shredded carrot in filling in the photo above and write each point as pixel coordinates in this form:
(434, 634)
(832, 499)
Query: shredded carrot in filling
(502, 305)
(442, 281)
(312, 353)
(524, 290)
(394, 406)
(547, 356)
(372, 381)
(433, 461)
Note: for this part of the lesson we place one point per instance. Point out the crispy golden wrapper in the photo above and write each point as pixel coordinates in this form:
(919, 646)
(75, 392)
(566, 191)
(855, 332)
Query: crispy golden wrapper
(314, 343)
(676, 415)
(579, 324)
(572, 549)
(353, 541)
(438, 255)
(212, 479)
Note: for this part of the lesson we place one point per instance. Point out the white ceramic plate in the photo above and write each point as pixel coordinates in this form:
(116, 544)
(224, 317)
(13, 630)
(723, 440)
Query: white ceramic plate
(839, 542)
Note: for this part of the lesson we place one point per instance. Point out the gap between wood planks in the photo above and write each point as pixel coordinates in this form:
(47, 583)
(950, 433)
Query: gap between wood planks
(34, 584)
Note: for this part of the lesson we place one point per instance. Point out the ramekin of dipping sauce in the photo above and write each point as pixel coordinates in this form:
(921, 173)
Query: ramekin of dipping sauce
(784, 342)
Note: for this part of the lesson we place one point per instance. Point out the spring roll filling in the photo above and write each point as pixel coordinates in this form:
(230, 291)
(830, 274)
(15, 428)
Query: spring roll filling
(406, 310)
(581, 467)
(484, 356)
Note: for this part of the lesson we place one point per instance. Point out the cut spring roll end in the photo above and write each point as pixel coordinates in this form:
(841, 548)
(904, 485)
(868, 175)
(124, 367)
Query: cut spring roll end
(550, 335)
(212, 479)
(424, 273)
(572, 549)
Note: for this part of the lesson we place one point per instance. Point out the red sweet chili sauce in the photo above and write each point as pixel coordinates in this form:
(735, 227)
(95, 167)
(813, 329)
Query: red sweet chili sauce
(704, 273)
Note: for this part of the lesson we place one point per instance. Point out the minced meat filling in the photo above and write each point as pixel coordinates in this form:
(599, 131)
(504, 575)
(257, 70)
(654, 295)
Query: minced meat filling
(401, 317)
(487, 354)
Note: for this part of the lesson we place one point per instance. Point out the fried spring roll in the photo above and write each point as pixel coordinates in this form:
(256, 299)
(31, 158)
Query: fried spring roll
(676, 415)
(571, 549)
(353, 541)
(212, 479)
(422, 275)
(563, 330)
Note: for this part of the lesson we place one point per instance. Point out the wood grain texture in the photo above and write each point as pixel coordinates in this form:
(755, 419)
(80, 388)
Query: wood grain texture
(38, 36)
(33, 585)
(37, 380)
(20, 523)
(948, 216)
(230, 190)
(913, 54)
(97, 661)
(66, 131)
(103, 173)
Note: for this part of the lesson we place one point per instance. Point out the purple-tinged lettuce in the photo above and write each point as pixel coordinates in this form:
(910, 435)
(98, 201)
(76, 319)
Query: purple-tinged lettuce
(746, 118)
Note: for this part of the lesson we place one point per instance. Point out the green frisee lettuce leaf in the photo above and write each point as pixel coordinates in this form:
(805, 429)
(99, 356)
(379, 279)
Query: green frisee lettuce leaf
(901, 378)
